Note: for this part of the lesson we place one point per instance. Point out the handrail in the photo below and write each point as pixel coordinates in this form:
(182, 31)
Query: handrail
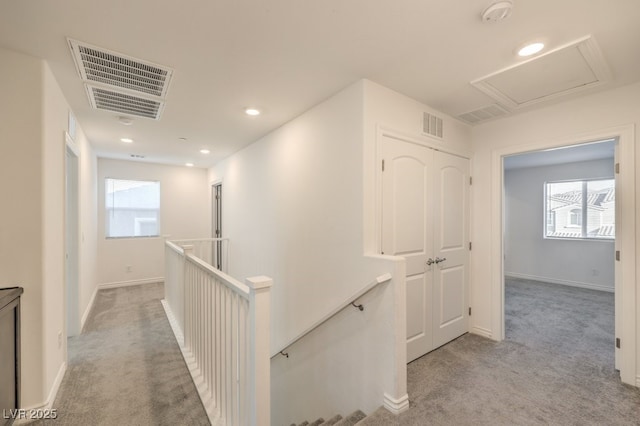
(227, 280)
(174, 247)
(379, 280)
(195, 240)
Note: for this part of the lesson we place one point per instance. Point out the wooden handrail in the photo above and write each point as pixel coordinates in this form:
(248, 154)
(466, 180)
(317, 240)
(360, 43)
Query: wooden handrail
(379, 280)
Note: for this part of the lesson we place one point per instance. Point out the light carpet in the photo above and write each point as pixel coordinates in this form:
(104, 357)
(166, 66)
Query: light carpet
(554, 368)
(126, 367)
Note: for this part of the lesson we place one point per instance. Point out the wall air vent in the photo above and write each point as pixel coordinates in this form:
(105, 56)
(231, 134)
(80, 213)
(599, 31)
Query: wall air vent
(432, 125)
(482, 114)
(113, 69)
(120, 102)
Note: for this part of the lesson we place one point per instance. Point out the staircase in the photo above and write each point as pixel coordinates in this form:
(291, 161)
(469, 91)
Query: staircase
(352, 419)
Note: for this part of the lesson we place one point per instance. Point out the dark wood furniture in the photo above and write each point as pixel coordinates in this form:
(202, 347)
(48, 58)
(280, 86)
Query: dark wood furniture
(9, 352)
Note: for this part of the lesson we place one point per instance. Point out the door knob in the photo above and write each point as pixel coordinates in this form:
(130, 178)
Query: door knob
(438, 260)
(431, 262)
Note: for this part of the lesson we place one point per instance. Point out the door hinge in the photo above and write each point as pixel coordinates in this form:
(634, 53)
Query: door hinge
(469, 245)
(469, 310)
(383, 165)
(618, 255)
(618, 342)
(617, 168)
(470, 180)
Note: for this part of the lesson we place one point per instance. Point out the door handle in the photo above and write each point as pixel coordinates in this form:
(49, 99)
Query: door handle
(430, 262)
(438, 260)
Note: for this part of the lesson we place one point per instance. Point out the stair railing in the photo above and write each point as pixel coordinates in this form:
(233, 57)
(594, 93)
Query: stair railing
(224, 337)
(384, 278)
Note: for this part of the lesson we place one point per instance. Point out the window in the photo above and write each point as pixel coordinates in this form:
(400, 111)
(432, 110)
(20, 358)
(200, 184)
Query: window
(132, 208)
(580, 209)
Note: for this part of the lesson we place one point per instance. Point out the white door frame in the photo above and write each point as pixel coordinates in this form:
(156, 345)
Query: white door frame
(72, 238)
(625, 237)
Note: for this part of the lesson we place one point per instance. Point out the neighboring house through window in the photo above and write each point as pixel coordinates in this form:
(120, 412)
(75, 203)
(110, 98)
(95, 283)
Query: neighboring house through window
(580, 209)
(132, 208)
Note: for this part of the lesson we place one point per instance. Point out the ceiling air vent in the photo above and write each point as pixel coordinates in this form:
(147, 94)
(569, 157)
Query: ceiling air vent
(484, 113)
(121, 83)
(106, 67)
(432, 125)
(120, 102)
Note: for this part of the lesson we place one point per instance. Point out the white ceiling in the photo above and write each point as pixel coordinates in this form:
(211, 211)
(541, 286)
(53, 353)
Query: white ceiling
(284, 56)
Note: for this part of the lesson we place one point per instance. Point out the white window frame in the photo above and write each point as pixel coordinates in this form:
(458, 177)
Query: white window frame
(137, 221)
(584, 212)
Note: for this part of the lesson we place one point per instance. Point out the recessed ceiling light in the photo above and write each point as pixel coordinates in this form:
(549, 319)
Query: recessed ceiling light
(189, 164)
(126, 121)
(126, 140)
(204, 151)
(531, 49)
(252, 111)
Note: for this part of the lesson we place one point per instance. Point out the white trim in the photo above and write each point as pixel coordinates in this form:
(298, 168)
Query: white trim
(206, 396)
(88, 310)
(48, 403)
(396, 406)
(560, 282)
(626, 241)
(638, 381)
(481, 331)
(118, 284)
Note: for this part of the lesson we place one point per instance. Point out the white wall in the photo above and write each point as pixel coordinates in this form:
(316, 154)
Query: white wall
(575, 120)
(32, 240)
(582, 263)
(388, 110)
(292, 209)
(21, 233)
(184, 213)
(299, 205)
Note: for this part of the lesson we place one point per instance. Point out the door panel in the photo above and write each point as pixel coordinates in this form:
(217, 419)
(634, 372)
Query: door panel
(407, 225)
(425, 202)
(450, 284)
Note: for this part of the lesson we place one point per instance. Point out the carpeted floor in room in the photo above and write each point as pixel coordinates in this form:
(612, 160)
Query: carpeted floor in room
(126, 367)
(556, 367)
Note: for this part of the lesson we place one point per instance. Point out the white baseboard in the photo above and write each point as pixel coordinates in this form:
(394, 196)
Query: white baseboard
(589, 286)
(396, 406)
(196, 376)
(638, 381)
(48, 403)
(484, 332)
(117, 284)
(173, 323)
(89, 307)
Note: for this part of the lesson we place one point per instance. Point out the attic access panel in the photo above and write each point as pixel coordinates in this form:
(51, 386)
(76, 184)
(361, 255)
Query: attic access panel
(570, 68)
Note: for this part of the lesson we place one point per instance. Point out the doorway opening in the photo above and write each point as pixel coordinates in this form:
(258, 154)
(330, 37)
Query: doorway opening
(216, 225)
(559, 245)
(72, 241)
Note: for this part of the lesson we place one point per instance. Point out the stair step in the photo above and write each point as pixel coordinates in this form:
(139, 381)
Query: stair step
(351, 419)
(305, 423)
(332, 421)
(317, 422)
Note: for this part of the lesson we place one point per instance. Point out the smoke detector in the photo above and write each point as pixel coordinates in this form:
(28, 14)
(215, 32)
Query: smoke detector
(497, 11)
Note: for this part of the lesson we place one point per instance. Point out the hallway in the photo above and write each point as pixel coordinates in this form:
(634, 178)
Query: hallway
(126, 367)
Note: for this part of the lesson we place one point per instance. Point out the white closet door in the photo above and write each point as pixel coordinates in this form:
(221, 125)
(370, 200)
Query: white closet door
(451, 242)
(425, 216)
(407, 226)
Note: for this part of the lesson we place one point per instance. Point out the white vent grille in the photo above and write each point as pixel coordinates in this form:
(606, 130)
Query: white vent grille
(103, 66)
(119, 102)
(120, 83)
(432, 125)
(484, 113)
